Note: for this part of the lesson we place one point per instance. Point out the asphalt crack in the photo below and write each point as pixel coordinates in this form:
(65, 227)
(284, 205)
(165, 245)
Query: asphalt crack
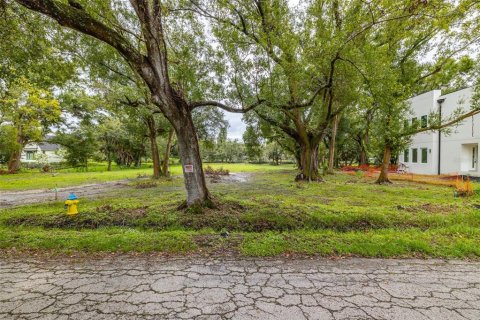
(185, 288)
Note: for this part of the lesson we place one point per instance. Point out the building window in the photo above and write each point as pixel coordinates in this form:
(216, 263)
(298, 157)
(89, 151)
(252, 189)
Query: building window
(424, 155)
(424, 121)
(30, 155)
(414, 123)
(405, 155)
(415, 155)
(474, 158)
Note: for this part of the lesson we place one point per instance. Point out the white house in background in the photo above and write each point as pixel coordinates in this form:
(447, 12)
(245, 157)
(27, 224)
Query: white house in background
(437, 153)
(32, 150)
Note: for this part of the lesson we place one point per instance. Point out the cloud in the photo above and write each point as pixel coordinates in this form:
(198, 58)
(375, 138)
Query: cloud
(237, 126)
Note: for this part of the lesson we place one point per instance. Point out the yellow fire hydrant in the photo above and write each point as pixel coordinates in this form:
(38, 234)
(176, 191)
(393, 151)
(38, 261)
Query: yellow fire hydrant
(71, 204)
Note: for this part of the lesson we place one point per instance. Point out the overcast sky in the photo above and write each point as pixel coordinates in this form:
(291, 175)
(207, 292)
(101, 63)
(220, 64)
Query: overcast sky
(237, 126)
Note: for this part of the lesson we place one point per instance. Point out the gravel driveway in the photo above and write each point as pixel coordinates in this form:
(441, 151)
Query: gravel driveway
(18, 198)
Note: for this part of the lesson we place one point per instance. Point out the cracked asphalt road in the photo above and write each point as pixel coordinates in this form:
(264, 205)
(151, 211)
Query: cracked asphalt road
(183, 288)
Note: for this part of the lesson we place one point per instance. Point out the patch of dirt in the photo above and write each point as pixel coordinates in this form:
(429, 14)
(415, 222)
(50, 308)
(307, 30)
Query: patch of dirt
(223, 216)
(429, 207)
(218, 244)
(357, 204)
(352, 181)
(323, 200)
(131, 213)
(239, 177)
(146, 184)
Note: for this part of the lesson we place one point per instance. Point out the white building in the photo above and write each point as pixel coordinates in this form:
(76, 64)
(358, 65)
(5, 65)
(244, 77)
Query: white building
(32, 150)
(435, 152)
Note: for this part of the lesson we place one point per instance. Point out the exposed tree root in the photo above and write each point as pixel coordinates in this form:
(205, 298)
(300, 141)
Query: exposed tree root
(384, 182)
(197, 207)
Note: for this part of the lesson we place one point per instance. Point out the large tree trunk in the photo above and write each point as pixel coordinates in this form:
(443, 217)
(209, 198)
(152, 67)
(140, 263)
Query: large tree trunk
(309, 163)
(387, 155)
(363, 159)
(14, 162)
(152, 136)
(166, 156)
(155, 158)
(364, 140)
(189, 151)
(331, 153)
(109, 167)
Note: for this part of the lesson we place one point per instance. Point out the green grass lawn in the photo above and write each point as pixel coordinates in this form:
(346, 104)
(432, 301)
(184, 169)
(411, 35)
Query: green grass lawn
(268, 215)
(33, 179)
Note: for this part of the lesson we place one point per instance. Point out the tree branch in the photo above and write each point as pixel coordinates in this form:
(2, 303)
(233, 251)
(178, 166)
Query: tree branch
(285, 128)
(220, 105)
(78, 19)
(116, 71)
(310, 101)
(449, 123)
(440, 66)
(371, 25)
(242, 27)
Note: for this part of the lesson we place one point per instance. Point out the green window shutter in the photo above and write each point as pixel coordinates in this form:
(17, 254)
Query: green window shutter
(414, 123)
(424, 121)
(415, 155)
(424, 155)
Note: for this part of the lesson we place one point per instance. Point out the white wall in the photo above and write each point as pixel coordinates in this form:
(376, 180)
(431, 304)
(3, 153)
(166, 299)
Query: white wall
(29, 147)
(52, 157)
(456, 147)
(467, 132)
(423, 105)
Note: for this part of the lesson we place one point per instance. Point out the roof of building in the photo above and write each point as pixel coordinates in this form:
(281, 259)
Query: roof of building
(46, 146)
(441, 91)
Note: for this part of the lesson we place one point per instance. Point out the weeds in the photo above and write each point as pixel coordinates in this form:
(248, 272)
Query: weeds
(463, 187)
(217, 172)
(233, 216)
(146, 184)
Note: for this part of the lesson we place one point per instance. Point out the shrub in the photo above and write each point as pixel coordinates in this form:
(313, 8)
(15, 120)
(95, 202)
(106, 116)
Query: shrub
(463, 188)
(146, 184)
(217, 172)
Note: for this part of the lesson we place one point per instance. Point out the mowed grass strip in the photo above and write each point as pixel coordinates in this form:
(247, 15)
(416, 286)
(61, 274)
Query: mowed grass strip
(99, 240)
(455, 242)
(387, 243)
